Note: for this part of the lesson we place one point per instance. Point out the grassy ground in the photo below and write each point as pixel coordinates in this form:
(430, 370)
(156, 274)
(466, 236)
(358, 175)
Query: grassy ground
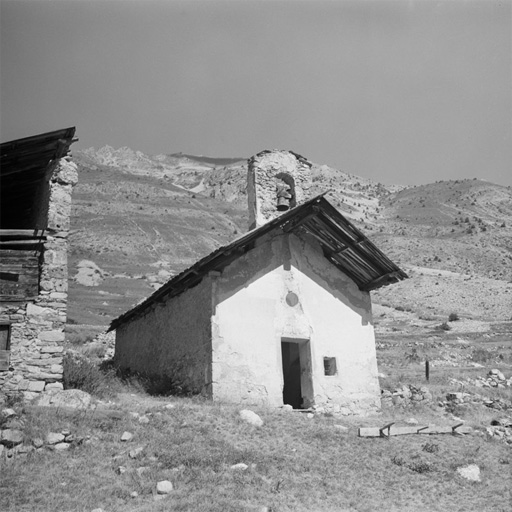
(295, 463)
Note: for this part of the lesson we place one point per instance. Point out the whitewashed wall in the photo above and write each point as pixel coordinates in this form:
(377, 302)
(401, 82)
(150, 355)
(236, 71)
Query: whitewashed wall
(252, 316)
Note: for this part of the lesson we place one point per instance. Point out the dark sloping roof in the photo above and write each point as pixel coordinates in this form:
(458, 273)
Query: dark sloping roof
(343, 244)
(23, 171)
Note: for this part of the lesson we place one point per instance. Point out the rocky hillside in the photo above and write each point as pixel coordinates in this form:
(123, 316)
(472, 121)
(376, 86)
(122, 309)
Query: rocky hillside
(139, 219)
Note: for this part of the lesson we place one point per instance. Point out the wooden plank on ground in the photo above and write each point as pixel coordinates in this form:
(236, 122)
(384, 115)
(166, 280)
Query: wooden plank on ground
(417, 429)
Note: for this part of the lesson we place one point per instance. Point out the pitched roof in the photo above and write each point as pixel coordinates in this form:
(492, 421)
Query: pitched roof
(343, 245)
(24, 167)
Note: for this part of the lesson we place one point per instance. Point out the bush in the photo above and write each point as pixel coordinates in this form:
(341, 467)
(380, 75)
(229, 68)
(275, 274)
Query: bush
(453, 317)
(444, 327)
(81, 373)
(481, 355)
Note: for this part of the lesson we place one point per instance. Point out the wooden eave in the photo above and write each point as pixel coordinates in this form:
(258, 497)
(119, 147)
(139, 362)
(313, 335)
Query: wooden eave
(25, 165)
(343, 245)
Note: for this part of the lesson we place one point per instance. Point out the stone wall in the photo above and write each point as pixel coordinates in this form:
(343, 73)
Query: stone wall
(274, 173)
(37, 326)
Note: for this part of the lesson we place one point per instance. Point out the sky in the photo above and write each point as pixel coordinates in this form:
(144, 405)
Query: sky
(401, 92)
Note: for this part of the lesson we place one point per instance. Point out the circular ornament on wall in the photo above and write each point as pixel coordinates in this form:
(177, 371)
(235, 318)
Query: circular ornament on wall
(292, 299)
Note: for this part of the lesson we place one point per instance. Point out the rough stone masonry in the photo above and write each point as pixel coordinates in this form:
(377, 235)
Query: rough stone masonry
(37, 325)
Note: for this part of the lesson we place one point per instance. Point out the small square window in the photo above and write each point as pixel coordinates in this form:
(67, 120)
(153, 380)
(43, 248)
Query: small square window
(330, 366)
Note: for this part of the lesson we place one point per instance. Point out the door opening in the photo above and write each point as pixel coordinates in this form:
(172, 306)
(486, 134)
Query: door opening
(292, 392)
(298, 388)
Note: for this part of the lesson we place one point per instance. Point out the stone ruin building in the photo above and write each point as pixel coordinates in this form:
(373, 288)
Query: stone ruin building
(37, 179)
(281, 315)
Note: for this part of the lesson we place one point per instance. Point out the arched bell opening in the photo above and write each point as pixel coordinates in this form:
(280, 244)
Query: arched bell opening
(285, 192)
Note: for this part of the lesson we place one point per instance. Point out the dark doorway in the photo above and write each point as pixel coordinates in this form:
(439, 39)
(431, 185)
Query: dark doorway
(292, 390)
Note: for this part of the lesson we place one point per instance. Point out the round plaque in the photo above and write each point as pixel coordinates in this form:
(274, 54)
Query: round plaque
(292, 299)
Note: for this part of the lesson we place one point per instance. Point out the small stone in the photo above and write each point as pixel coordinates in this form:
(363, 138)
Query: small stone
(127, 436)
(251, 417)
(169, 406)
(471, 472)
(341, 428)
(411, 421)
(120, 470)
(54, 438)
(54, 385)
(164, 487)
(97, 510)
(133, 454)
(144, 420)
(24, 449)
(8, 413)
(65, 432)
(287, 407)
(11, 437)
(140, 471)
(61, 446)
(310, 415)
(37, 442)
(134, 494)
(241, 466)
(36, 386)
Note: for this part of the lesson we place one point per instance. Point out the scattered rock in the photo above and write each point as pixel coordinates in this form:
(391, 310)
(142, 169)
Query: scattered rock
(37, 442)
(240, 466)
(140, 471)
(61, 446)
(411, 421)
(23, 449)
(133, 454)
(127, 436)
(8, 413)
(169, 406)
(310, 415)
(164, 487)
(251, 417)
(287, 407)
(121, 470)
(54, 438)
(134, 494)
(144, 420)
(471, 472)
(11, 437)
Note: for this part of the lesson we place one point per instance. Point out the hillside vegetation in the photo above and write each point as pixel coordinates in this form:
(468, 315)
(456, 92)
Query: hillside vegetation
(139, 219)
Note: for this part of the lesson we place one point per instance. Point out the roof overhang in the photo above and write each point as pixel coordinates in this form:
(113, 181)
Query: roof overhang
(344, 245)
(25, 166)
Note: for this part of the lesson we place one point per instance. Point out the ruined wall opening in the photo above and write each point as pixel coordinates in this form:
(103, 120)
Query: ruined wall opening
(297, 375)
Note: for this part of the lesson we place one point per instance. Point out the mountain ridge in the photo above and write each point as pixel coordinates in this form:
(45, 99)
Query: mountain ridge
(144, 218)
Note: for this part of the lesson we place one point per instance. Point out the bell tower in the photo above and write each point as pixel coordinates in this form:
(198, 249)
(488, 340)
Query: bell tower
(277, 180)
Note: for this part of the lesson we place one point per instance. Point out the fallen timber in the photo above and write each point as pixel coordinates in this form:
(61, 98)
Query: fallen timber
(392, 430)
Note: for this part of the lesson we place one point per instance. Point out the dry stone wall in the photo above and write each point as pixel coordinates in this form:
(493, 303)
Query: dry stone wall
(37, 326)
(275, 173)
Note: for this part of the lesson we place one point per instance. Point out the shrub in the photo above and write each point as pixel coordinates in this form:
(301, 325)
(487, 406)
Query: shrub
(481, 355)
(430, 447)
(453, 317)
(81, 373)
(444, 327)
